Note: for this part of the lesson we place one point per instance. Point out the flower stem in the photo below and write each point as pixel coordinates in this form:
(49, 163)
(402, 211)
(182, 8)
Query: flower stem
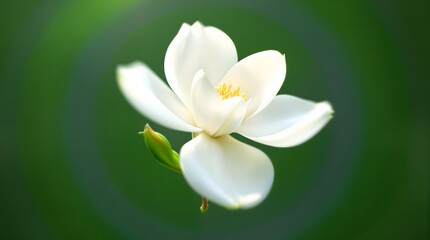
(205, 205)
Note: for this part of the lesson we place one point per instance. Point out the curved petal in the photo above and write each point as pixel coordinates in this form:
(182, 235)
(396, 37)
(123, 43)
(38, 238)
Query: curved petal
(259, 76)
(226, 171)
(233, 113)
(287, 121)
(197, 47)
(149, 95)
(214, 115)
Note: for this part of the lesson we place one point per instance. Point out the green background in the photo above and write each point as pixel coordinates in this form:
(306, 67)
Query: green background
(73, 166)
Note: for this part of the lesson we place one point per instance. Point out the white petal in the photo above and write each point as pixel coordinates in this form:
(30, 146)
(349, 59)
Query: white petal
(226, 171)
(151, 97)
(233, 112)
(216, 116)
(259, 76)
(197, 47)
(287, 121)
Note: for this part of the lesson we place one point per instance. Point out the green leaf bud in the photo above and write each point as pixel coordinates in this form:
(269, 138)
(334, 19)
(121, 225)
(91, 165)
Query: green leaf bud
(160, 147)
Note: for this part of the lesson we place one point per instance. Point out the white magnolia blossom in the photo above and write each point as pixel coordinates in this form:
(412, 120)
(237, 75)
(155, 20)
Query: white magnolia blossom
(212, 95)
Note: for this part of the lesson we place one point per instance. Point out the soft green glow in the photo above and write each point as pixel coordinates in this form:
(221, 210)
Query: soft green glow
(386, 192)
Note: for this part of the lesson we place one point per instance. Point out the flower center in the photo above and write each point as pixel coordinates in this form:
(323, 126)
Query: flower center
(226, 91)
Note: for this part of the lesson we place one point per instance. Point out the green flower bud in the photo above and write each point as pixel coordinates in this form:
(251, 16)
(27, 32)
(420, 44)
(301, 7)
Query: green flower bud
(160, 147)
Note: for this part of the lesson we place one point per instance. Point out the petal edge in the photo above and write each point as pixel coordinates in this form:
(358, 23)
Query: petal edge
(150, 96)
(288, 121)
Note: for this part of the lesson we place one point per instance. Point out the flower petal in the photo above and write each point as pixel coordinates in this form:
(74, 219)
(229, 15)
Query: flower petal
(226, 171)
(216, 116)
(151, 97)
(233, 113)
(259, 76)
(287, 121)
(197, 47)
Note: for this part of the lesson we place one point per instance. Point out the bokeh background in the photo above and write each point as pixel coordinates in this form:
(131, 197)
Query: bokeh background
(73, 166)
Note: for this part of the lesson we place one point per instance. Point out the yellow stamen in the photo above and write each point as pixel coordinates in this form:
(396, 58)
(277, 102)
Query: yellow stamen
(225, 91)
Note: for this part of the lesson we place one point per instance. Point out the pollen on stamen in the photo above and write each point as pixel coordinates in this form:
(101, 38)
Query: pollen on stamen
(225, 91)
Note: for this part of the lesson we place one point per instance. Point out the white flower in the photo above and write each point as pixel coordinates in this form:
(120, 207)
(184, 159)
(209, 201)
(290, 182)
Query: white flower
(215, 95)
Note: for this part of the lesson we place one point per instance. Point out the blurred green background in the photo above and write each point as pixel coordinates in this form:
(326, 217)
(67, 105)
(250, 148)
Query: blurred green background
(73, 166)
